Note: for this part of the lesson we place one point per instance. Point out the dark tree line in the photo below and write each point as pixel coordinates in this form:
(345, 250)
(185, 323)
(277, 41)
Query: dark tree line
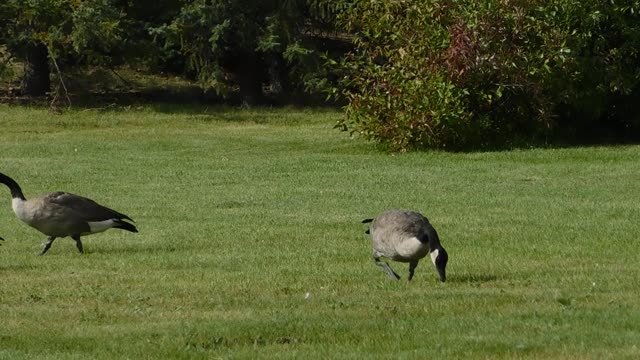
(414, 74)
(229, 45)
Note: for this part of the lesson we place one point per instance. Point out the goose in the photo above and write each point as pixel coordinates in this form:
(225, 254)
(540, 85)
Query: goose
(405, 236)
(61, 214)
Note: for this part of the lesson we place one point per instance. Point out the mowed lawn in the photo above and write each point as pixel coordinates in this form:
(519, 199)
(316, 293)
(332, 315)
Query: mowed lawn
(251, 246)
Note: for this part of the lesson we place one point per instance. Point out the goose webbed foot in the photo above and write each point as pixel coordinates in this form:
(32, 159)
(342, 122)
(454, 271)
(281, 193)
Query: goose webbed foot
(47, 245)
(386, 268)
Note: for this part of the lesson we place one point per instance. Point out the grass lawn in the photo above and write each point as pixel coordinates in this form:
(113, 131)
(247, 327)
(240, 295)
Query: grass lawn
(251, 245)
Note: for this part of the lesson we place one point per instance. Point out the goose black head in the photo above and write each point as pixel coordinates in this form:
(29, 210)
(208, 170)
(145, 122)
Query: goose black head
(440, 258)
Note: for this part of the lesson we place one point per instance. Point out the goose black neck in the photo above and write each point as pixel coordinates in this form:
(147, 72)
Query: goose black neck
(434, 240)
(16, 191)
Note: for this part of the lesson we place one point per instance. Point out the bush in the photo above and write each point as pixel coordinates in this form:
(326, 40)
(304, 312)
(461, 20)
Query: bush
(491, 73)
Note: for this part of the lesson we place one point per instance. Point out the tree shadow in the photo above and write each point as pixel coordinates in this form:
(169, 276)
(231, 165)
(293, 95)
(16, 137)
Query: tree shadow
(168, 99)
(103, 89)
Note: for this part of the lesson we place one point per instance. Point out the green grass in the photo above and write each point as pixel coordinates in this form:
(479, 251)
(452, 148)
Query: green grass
(251, 245)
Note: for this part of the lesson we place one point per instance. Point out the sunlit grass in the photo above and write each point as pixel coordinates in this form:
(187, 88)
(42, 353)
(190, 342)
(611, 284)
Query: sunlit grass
(251, 246)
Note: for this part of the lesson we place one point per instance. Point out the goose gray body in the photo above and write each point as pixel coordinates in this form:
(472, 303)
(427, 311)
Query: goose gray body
(62, 214)
(406, 236)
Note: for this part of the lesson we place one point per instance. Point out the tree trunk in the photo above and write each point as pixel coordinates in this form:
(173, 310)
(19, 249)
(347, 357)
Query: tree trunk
(35, 81)
(279, 81)
(249, 74)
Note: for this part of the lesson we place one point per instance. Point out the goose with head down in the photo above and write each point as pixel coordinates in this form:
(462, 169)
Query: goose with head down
(406, 236)
(61, 214)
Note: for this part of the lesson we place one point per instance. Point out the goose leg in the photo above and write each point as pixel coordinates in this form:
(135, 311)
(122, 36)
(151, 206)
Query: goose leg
(412, 269)
(386, 268)
(78, 243)
(47, 245)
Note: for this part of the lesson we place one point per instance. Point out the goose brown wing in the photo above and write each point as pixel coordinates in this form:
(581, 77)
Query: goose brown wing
(402, 223)
(88, 209)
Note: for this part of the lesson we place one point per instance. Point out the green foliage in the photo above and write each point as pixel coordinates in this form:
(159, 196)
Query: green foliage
(222, 41)
(24, 23)
(473, 74)
(225, 45)
(202, 31)
(103, 32)
(88, 27)
(97, 29)
(600, 89)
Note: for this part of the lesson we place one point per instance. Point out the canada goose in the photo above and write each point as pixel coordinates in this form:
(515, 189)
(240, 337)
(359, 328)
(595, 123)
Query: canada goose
(62, 214)
(405, 236)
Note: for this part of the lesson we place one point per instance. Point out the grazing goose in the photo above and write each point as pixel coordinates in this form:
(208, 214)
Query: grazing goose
(405, 236)
(62, 214)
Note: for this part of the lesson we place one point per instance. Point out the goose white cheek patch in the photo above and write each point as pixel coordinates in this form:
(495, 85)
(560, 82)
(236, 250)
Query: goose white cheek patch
(17, 205)
(434, 256)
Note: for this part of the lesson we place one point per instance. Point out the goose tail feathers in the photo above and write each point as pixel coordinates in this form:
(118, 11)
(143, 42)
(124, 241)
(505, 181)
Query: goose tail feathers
(366, 221)
(120, 224)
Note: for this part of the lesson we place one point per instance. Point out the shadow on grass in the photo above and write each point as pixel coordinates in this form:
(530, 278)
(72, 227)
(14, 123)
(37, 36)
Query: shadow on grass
(472, 278)
(137, 249)
(17, 267)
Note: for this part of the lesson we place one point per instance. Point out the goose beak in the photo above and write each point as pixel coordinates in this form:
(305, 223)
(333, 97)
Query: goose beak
(442, 273)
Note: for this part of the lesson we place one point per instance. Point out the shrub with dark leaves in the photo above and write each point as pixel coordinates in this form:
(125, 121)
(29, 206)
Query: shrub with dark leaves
(486, 74)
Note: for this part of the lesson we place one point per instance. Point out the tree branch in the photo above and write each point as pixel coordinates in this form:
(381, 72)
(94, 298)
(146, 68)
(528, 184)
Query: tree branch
(66, 92)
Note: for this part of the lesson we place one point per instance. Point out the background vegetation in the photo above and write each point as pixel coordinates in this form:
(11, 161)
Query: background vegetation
(251, 245)
(247, 48)
(491, 73)
(455, 75)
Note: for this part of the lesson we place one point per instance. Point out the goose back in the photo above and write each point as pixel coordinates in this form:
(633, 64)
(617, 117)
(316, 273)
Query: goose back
(63, 214)
(82, 207)
(400, 235)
